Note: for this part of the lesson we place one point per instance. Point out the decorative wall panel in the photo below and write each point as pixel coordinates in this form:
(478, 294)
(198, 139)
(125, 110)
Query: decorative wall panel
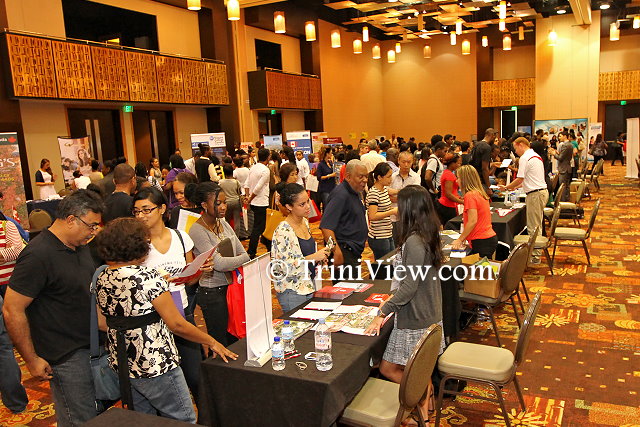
(74, 73)
(169, 72)
(502, 93)
(141, 72)
(217, 83)
(619, 86)
(32, 71)
(284, 90)
(194, 74)
(110, 74)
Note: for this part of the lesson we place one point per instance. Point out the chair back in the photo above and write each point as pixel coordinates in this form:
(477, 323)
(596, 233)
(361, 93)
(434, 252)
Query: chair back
(39, 219)
(585, 170)
(599, 167)
(554, 221)
(417, 372)
(592, 219)
(526, 328)
(554, 180)
(580, 192)
(512, 269)
(532, 242)
(559, 194)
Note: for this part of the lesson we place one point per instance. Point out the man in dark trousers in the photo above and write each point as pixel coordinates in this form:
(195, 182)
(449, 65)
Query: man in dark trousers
(481, 158)
(257, 191)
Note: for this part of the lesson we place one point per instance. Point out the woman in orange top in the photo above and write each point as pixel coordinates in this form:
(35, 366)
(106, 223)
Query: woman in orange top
(447, 204)
(477, 215)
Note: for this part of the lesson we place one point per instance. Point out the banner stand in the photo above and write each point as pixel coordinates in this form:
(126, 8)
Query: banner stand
(258, 310)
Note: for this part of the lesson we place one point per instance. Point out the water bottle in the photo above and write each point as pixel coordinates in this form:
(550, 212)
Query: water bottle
(287, 337)
(277, 355)
(324, 362)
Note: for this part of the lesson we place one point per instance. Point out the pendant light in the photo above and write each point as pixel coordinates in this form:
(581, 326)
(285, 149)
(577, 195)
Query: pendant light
(502, 25)
(278, 22)
(552, 37)
(502, 10)
(614, 32)
(506, 42)
(357, 46)
(398, 47)
(452, 35)
(365, 34)
(391, 56)
(193, 5)
(427, 51)
(310, 31)
(335, 39)
(521, 32)
(466, 47)
(233, 10)
(485, 41)
(375, 51)
(636, 22)
(459, 26)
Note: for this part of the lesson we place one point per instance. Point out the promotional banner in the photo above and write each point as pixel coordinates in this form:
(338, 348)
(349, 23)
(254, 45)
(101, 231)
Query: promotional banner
(272, 142)
(334, 140)
(217, 142)
(317, 139)
(633, 147)
(555, 126)
(13, 203)
(300, 141)
(75, 154)
(594, 130)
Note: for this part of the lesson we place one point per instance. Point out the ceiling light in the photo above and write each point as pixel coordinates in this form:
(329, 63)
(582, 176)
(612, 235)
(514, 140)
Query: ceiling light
(335, 39)
(375, 51)
(604, 6)
(278, 22)
(502, 10)
(561, 11)
(521, 32)
(552, 37)
(452, 34)
(391, 56)
(506, 42)
(636, 22)
(357, 46)
(427, 51)
(614, 32)
(365, 34)
(466, 47)
(310, 31)
(193, 5)
(502, 25)
(398, 47)
(233, 10)
(485, 41)
(459, 26)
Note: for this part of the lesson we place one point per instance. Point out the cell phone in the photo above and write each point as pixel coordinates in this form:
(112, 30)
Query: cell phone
(331, 243)
(310, 356)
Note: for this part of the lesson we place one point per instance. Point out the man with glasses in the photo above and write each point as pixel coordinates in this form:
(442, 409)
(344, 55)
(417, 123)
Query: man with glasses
(118, 204)
(46, 308)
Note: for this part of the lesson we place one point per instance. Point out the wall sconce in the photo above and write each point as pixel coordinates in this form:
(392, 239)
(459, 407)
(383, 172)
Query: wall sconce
(278, 22)
(552, 37)
(194, 5)
(391, 56)
(466, 47)
(357, 46)
(310, 31)
(506, 42)
(335, 39)
(485, 41)
(375, 51)
(427, 51)
(452, 35)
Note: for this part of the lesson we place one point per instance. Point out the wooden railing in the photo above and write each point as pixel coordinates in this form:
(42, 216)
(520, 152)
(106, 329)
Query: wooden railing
(503, 93)
(277, 89)
(42, 67)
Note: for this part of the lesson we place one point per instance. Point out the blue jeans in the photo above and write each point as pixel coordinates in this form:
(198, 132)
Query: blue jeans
(13, 393)
(381, 247)
(166, 395)
(290, 299)
(74, 397)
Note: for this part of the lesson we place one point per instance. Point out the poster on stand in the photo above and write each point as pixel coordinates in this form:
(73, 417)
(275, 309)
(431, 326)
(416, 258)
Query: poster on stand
(317, 139)
(14, 203)
(633, 147)
(273, 142)
(258, 306)
(76, 155)
(555, 126)
(217, 142)
(300, 141)
(594, 130)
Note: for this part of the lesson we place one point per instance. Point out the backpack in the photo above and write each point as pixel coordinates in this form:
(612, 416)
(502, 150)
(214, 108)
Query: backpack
(423, 182)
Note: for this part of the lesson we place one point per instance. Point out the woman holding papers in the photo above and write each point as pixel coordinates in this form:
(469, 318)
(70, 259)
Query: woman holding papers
(417, 302)
(476, 218)
(293, 278)
(169, 252)
(208, 231)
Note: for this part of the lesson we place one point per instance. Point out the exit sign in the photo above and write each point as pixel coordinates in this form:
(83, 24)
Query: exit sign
(127, 108)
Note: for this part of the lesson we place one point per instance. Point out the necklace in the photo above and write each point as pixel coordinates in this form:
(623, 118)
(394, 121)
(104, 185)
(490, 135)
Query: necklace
(299, 229)
(217, 233)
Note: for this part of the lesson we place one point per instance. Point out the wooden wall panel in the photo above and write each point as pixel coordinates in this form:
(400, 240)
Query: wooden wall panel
(195, 82)
(169, 72)
(315, 94)
(217, 84)
(503, 93)
(619, 86)
(293, 91)
(32, 69)
(141, 73)
(110, 74)
(74, 73)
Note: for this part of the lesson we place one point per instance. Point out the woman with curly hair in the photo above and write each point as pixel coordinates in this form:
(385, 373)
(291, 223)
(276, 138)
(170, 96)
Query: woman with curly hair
(137, 303)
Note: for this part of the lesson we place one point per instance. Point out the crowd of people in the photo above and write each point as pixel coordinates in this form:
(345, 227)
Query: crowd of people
(388, 194)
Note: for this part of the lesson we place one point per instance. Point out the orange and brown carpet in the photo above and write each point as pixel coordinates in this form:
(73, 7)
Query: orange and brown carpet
(583, 363)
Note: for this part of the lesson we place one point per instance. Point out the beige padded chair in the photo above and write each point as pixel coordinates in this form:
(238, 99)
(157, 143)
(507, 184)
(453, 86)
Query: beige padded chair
(548, 212)
(509, 277)
(571, 207)
(531, 242)
(39, 219)
(376, 403)
(543, 243)
(576, 234)
(494, 366)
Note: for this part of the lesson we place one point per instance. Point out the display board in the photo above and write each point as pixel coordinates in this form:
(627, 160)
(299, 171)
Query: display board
(555, 126)
(300, 141)
(633, 149)
(258, 309)
(13, 203)
(217, 141)
(75, 155)
(273, 142)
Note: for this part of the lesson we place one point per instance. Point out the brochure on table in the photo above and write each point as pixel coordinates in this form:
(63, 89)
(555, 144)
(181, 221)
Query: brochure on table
(351, 319)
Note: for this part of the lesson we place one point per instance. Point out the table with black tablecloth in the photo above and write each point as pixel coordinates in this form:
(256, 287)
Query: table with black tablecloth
(506, 227)
(118, 417)
(233, 394)
(47, 205)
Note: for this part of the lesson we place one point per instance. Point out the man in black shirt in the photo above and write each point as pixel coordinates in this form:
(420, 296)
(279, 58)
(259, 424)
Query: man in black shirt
(119, 203)
(202, 164)
(344, 217)
(481, 157)
(46, 309)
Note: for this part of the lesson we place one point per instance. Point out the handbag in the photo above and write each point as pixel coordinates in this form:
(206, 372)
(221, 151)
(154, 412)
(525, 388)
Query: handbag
(314, 215)
(237, 323)
(274, 218)
(105, 379)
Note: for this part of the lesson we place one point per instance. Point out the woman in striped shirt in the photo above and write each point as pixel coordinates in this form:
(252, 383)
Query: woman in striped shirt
(380, 211)
(10, 247)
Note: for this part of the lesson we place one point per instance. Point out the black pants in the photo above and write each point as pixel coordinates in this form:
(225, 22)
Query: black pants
(617, 155)
(190, 359)
(352, 259)
(259, 223)
(213, 302)
(445, 213)
(484, 247)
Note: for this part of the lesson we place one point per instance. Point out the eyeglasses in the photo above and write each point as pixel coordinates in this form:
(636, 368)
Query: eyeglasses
(145, 211)
(92, 227)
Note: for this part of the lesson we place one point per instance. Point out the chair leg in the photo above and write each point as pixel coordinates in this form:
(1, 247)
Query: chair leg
(549, 260)
(555, 244)
(586, 251)
(520, 302)
(516, 384)
(524, 288)
(495, 327)
(515, 310)
(439, 402)
(505, 414)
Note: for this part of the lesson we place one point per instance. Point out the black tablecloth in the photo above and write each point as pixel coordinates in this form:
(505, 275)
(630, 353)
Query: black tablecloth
(117, 417)
(233, 394)
(506, 227)
(48, 205)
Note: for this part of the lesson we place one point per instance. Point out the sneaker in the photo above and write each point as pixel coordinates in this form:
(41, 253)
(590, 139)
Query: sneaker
(536, 260)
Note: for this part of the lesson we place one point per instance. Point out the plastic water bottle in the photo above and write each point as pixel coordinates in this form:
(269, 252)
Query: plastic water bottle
(287, 337)
(324, 362)
(277, 355)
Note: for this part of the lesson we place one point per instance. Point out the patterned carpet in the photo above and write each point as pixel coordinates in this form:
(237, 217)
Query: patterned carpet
(583, 363)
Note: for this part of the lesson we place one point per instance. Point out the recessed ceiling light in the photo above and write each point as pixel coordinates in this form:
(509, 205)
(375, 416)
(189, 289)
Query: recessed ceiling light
(605, 6)
(561, 11)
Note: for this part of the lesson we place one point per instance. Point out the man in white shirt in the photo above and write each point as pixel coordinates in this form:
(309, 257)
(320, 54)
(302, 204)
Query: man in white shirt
(240, 172)
(405, 176)
(257, 191)
(190, 164)
(372, 158)
(531, 178)
(303, 167)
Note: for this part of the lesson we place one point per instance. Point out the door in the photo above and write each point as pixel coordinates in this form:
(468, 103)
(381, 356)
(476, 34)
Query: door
(269, 124)
(103, 129)
(508, 120)
(153, 134)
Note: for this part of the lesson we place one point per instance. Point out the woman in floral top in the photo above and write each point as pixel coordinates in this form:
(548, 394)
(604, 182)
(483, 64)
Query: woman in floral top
(292, 242)
(126, 290)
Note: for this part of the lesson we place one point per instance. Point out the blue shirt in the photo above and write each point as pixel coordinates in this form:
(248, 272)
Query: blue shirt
(325, 185)
(345, 216)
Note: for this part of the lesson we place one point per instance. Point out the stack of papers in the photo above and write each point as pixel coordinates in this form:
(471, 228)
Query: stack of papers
(357, 287)
(310, 314)
(320, 305)
(503, 212)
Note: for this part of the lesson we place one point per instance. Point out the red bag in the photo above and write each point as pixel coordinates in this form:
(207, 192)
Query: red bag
(315, 215)
(237, 324)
